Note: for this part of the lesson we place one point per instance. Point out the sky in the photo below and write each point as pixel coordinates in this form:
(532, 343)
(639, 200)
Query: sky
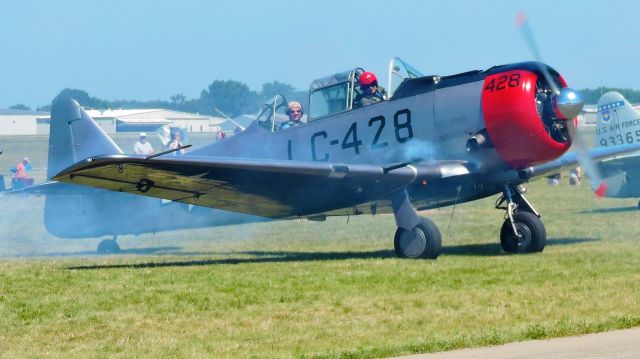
(146, 50)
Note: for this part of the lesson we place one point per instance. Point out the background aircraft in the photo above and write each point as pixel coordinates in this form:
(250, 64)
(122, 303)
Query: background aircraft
(618, 124)
(437, 141)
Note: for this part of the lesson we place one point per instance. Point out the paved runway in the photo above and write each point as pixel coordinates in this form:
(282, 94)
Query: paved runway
(614, 344)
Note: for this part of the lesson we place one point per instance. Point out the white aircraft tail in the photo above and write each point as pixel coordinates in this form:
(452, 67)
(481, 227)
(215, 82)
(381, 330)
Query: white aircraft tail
(74, 136)
(618, 122)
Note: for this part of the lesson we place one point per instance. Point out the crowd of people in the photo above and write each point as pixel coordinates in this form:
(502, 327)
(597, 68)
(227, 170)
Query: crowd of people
(575, 177)
(144, 147)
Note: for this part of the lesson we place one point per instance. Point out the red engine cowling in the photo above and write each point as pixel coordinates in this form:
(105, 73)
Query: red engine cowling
(513, 121)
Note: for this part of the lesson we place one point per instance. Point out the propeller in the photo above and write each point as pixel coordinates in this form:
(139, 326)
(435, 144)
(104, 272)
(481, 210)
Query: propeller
(567, 103)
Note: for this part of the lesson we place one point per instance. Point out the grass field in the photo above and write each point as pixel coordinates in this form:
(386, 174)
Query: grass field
(308, 289)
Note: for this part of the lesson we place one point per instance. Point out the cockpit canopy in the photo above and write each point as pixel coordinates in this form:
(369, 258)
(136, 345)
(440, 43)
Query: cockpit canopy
(336, 93)
(333, 94)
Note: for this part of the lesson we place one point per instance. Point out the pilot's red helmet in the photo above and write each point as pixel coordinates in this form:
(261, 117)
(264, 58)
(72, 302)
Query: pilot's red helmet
(367, 78)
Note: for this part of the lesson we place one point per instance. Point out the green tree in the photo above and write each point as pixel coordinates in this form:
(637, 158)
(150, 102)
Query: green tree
(591, 96)
(83, 98)
(178, 99)
(19, 106)
(231, 97)
(271, 89)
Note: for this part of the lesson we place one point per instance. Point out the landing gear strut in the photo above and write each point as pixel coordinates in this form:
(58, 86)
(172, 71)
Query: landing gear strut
(109, 246)
(416, 237)
(522, 230)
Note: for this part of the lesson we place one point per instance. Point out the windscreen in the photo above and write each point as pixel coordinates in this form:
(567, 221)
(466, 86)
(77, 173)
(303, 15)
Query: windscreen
(329, 100)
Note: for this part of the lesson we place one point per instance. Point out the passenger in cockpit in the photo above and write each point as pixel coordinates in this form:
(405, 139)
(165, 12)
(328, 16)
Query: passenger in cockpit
(370, 91)
(295, 112)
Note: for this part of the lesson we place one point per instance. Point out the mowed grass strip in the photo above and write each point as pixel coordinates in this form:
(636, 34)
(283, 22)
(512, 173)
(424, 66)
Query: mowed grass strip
(326, 308)
(308, 289)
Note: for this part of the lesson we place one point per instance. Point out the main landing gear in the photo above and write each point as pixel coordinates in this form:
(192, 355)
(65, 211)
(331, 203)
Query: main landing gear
(109, 246)
(522, 230)
(416, 237)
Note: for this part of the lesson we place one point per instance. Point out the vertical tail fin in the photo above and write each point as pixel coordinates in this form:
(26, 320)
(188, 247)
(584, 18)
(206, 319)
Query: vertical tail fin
(618, 122)
(74, 136)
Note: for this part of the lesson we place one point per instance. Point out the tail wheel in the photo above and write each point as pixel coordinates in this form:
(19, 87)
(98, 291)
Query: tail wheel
(423, 241)
(533, 235)
(108, 246)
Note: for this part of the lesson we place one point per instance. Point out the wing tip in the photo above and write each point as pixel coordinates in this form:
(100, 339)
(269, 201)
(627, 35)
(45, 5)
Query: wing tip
(601, 191)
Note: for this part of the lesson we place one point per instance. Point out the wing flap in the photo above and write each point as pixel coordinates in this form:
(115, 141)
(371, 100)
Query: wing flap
(276, 189)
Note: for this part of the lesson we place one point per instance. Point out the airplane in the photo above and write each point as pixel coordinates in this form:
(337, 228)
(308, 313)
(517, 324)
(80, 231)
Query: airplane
(435, 141)
(618, 123)
(76, 212)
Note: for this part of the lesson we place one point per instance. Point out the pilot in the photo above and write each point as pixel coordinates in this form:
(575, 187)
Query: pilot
(370, 91)
(295, 112)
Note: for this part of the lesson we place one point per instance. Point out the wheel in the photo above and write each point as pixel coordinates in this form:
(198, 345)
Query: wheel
(423, 241)
(108, 246)
(530, 227)
(638, 204)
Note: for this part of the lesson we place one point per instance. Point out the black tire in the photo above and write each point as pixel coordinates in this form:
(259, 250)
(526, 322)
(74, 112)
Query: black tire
(423, 241)
(534, 235)
(108, 246)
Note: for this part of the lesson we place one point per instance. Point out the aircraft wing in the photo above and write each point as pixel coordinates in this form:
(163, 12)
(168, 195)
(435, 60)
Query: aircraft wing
(276, 189)
(570, 159)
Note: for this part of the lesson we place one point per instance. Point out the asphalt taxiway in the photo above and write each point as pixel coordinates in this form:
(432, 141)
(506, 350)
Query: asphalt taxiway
(614, 344)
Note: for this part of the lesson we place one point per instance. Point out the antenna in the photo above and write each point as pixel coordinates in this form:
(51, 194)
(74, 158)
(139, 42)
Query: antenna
(229, 118)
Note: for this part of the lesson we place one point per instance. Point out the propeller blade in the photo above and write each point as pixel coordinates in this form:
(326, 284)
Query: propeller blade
(568, 104)
(598, 186)
(522, 22)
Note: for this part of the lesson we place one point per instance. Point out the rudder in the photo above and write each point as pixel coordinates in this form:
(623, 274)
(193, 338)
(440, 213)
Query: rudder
(74, 136)
(618, 122)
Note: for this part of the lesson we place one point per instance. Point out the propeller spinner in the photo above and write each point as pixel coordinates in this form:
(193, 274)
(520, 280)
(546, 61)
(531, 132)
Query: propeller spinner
(567, 103)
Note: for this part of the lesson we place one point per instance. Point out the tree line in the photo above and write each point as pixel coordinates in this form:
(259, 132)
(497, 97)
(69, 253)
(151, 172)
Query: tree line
(591, 96)
(235, 98)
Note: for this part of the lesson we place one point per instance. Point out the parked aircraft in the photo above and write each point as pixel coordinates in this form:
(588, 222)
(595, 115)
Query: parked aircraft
(618, 124)
(436, 141)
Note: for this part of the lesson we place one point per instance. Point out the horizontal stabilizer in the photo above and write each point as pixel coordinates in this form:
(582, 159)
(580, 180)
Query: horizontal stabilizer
(54, 187)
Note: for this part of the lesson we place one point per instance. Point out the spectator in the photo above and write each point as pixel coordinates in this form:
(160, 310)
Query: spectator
(20, 177)
(575, 176)
(174, 143)
(142, 147)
